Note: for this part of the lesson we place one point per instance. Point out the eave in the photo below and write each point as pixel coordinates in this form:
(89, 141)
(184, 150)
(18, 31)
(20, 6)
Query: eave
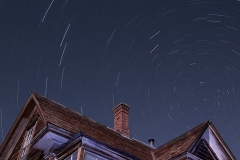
(52, 136)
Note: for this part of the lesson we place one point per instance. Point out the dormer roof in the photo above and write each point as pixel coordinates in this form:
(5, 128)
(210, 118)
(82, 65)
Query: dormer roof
(189, 142)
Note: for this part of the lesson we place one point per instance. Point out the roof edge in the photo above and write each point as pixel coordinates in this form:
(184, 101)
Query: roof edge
(182, 135)
(211, 126)
(221, 141)
(38, 106)
(10, 132)
(207, 123)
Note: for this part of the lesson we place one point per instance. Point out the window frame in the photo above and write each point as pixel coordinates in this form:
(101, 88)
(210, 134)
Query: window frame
(98, 156)
(27, 142)
(71, 155)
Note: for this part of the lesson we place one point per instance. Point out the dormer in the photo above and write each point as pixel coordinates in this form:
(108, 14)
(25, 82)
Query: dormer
(201, 143)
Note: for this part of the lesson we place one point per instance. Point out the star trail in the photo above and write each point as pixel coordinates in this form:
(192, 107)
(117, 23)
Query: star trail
(175, 62)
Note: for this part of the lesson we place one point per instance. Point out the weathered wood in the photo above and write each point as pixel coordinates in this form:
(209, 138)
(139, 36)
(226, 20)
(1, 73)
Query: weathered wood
(14, 139)
(80, 153)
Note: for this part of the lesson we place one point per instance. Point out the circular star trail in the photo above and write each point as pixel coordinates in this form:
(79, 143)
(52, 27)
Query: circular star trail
(175, 62)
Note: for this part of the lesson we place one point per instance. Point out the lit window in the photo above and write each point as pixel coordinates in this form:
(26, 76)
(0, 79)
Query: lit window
(72, 156)
(92, 156)
(26, 144)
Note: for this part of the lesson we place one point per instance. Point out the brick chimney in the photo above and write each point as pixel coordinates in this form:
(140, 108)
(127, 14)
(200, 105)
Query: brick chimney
(121, 119)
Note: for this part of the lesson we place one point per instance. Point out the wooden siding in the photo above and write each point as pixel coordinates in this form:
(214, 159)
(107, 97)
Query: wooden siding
(32, 153)
(35, 154)
(39, 126)
(80, 153)
(15, 138)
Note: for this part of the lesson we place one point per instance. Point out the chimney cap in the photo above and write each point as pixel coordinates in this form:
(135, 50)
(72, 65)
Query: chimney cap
(123, 105)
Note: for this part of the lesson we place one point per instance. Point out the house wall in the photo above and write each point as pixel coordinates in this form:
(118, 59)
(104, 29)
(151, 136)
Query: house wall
(34, 153)
(33, 119)
(7, 151)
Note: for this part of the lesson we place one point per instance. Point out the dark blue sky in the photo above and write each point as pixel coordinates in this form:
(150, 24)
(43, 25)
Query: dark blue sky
(175, 62)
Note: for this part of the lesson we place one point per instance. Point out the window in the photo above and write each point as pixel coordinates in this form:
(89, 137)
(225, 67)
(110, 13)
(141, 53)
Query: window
(73, 156)
(26, 144)
(91, 156)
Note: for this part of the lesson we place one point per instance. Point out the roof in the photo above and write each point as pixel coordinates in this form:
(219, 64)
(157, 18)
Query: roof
(185, 143)
(175, 147)
(81, 134)
(72, 121)
(60, 116)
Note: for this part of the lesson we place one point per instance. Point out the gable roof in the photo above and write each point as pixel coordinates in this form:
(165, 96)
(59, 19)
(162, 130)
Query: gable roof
(186, 142)
(204, 151)
(24, 113)
(72, 121)
(60, 116)
(176, 147)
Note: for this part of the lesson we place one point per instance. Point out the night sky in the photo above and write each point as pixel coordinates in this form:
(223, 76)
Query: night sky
(176, 63)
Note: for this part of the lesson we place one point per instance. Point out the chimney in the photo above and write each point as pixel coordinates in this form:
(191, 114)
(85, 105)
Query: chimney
(151, 142)
(121, 119)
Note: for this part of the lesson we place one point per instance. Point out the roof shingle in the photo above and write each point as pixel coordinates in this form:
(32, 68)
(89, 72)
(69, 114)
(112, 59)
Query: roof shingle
(180, 144)
(74, 122)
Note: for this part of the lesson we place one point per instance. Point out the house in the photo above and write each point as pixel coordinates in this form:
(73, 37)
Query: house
(45, 129)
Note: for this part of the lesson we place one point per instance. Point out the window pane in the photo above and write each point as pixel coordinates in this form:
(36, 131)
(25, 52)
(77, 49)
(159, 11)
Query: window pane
(92, 156)
(73, 156)
(27, 142)
(24, 151)
(68, 158)
(24, 158)
(88, 156)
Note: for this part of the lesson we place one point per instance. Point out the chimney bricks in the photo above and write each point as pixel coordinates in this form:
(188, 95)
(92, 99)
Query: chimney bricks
(121, 119)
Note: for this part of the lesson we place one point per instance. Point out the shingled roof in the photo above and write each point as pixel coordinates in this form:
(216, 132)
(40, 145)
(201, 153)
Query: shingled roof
(185, 142)
(180, 144)
(60, 116)
(72, 121)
